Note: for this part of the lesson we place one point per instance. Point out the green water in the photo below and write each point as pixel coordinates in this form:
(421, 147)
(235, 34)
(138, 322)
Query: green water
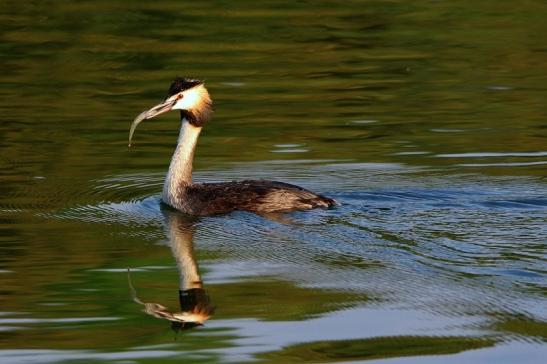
(426, 120)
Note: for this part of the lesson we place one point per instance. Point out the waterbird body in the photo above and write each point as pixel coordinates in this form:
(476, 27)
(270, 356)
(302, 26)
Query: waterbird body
(259, 196)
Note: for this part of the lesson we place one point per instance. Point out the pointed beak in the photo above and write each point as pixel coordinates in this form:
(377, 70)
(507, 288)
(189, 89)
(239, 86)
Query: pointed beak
(165, 106)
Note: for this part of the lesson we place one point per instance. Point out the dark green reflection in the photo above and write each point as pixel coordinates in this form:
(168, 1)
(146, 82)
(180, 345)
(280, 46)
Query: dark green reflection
(376, 348)
(523, 326)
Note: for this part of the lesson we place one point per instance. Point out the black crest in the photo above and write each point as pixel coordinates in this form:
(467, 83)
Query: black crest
(181, 84)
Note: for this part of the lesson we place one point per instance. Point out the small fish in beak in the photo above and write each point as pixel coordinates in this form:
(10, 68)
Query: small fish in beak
(165, 106)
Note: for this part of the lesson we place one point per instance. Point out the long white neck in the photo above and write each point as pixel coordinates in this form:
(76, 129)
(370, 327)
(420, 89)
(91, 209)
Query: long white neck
(180, 169)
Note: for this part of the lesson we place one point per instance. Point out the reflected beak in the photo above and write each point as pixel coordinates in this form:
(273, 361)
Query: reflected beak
(165, 106)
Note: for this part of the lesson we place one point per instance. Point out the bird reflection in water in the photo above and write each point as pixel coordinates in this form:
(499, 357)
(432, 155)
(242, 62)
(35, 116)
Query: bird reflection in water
(195, 307)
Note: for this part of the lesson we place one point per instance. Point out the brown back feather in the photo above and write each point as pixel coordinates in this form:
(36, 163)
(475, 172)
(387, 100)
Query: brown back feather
(259, 196)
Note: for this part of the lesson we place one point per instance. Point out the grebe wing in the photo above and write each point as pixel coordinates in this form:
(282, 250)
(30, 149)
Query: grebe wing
(253, 195)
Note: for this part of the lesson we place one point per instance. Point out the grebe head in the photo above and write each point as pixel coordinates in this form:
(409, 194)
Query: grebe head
(187, 95)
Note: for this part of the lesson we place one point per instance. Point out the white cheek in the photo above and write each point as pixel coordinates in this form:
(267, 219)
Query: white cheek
(189, 100)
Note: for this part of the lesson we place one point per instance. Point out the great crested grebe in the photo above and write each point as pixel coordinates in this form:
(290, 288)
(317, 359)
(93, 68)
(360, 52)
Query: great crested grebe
(258, 196)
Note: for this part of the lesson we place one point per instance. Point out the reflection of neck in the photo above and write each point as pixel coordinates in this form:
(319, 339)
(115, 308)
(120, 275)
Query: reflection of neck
(180, 169)
(183, 251)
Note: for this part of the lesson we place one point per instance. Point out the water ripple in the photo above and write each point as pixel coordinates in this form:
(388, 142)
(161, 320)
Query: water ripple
(486, 155)
(456, 245)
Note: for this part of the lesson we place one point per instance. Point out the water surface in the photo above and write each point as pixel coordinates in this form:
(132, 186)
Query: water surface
(426, 121)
